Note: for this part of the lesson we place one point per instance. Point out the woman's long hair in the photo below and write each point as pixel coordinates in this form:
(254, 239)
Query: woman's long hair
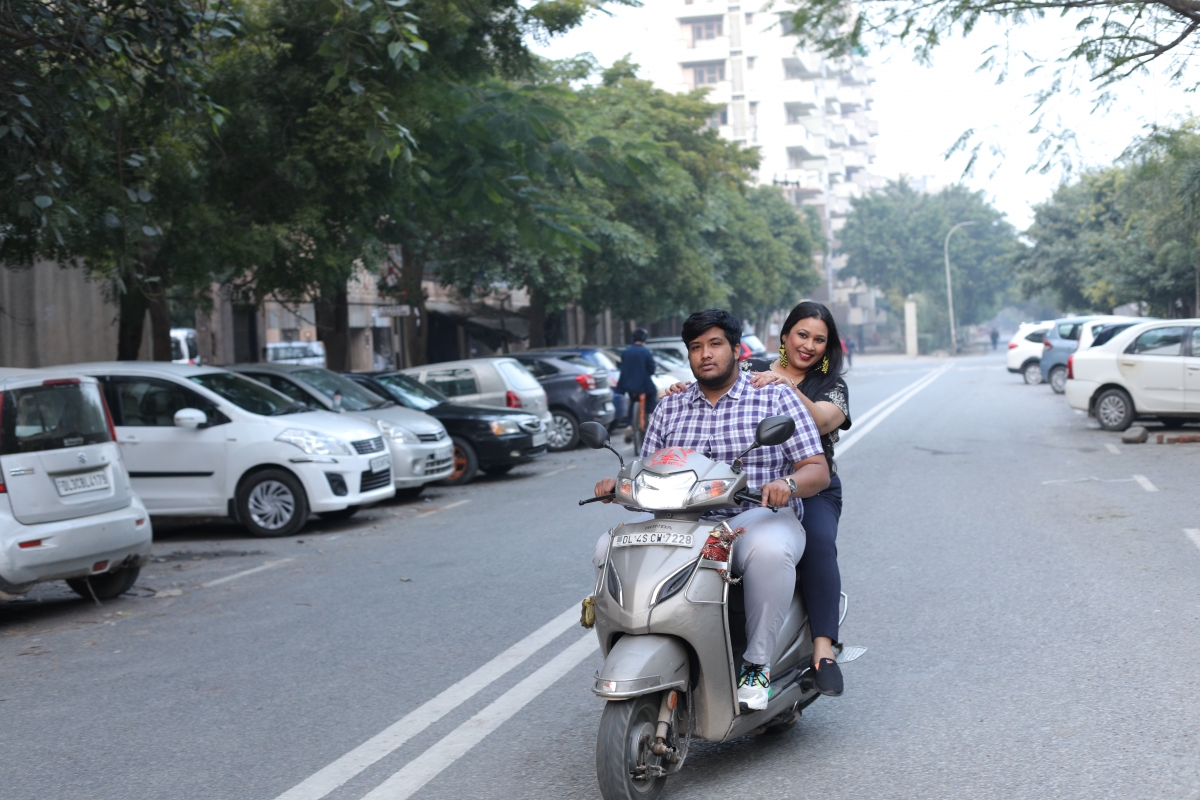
(815, 381)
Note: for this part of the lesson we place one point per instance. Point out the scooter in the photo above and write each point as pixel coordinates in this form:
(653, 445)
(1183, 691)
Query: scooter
(671, 623)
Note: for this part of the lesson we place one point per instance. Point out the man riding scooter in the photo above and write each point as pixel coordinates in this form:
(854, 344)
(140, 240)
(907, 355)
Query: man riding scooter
(717, 416)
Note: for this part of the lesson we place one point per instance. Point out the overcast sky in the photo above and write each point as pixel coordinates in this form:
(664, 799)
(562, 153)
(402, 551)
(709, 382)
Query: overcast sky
(922, 111)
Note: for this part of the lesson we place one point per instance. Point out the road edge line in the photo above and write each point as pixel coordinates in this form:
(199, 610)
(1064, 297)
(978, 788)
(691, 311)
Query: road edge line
(907, 394)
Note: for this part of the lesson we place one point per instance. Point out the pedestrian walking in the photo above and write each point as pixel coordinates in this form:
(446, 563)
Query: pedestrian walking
(995, 338)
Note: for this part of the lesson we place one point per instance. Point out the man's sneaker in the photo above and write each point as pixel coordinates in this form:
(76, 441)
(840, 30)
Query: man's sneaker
(754, 686)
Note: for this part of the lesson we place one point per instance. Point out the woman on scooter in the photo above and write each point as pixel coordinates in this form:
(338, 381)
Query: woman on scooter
(810, 361)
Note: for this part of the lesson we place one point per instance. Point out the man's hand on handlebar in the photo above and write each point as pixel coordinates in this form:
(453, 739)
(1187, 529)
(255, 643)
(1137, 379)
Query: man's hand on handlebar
(606, 486)
(776, 493)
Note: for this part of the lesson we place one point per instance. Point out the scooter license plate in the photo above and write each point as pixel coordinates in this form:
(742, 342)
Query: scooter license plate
(669, 539)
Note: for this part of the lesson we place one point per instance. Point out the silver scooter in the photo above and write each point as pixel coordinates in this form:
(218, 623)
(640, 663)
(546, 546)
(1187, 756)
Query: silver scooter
(672, 626)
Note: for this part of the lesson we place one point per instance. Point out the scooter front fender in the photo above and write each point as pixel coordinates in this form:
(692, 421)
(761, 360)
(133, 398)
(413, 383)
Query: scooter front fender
(641, 664)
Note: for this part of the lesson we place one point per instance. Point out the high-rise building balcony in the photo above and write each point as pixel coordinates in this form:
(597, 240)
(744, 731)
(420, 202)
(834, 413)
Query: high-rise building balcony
(810, 149)
(802, 67)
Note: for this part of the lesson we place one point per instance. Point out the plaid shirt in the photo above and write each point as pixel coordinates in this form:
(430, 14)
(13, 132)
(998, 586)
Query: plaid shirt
(724, 430)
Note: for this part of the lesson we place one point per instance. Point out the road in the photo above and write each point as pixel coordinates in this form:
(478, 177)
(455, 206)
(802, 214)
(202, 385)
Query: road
(1024, 583)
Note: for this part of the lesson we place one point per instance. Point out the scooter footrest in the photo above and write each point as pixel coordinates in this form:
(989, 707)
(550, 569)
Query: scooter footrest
(849, 653)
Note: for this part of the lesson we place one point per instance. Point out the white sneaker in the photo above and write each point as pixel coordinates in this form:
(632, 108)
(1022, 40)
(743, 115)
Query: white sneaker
(754, 686)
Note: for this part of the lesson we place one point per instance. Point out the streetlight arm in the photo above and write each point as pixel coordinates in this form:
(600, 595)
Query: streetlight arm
(949, 288)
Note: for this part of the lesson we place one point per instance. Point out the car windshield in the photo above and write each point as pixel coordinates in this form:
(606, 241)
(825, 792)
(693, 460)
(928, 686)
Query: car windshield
(249, 395)
(51, 417)
(668, 358)
(411, 393)
(517, 375)
(754, 343)
(354, 396)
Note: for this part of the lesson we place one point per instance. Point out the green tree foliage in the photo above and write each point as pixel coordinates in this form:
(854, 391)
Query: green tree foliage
(894, 239)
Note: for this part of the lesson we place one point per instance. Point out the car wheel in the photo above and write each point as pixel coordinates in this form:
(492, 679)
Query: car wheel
(345, 513)
(563, 433)
(496, 470)
(1114, 410)
(1058, 379)
(1032, 373)
(272, 503)
(105, 586)
(466, 464)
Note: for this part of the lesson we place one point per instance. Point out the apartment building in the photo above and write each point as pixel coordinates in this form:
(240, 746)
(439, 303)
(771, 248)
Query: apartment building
(809, 116)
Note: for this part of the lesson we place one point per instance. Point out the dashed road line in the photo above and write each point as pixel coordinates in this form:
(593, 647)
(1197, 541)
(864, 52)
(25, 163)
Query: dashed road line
(244, 573)
(556, 471)
(456, 744)
(1193, 534)
(431, 511)
(1090, 478)
(391, 738)
(1112, 448)
(1145, 483)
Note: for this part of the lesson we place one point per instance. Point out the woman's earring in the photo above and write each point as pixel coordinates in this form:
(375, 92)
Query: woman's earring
(825, 364)
(783, 362)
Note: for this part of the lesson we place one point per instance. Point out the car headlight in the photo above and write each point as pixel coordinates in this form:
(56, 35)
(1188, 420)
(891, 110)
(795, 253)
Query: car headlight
(505, 427)
(653, 491)
(397, 433)
(708, 490)
(313, 443)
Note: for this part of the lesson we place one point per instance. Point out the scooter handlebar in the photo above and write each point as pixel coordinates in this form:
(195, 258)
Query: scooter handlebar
(609, 496)
(750, 496)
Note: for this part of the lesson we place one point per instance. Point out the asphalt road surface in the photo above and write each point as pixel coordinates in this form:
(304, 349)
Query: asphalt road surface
(1026, 584)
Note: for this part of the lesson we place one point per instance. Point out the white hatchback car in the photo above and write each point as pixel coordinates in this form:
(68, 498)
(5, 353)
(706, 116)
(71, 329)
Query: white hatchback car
(1025, 351)
(202, 441)
(496, 381)
(67, 509)
(1149, 369)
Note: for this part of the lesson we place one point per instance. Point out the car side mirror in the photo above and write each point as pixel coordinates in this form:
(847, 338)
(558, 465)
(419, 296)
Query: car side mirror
(190, 418)
(594, 435)
(774, 430)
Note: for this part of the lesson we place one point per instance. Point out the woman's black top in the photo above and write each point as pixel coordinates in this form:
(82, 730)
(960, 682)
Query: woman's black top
(834, 392)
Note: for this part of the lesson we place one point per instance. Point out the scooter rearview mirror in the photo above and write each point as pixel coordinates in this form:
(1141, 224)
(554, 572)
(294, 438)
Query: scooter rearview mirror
(594, 435)
(774, 430)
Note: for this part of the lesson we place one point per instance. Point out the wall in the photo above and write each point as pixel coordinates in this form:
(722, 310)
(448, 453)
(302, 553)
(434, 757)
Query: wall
(54, 315)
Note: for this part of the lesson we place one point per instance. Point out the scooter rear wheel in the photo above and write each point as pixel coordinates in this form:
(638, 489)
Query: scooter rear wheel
(623, 750)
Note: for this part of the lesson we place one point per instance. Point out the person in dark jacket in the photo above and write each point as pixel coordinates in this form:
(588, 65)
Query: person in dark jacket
(637, 375)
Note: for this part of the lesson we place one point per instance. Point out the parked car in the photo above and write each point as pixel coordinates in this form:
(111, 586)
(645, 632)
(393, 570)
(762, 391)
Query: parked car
(1067, 336)
(1149, 369)
(310, 354)
(420, 447)
(577, 391)
(673, 344)
(667, 369)
(67, 508)
(202, 441)
(497, 381)
(485, 438)
(755, 345)
(185, 346)
(1025, 351)
(604, 359)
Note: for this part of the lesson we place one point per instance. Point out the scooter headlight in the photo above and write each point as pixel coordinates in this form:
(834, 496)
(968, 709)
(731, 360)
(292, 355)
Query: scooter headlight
(654, 491)
(704, 491)
(625, 488)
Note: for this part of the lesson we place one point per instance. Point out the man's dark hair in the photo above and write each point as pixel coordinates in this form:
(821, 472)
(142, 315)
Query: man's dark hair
(639, 335)
(701, 321)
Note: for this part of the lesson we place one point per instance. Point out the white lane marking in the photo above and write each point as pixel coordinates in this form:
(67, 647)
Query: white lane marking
(391, 738)
(1112, 448)
(244, 573)
(1092, 478)
(426, 512)
(556, 471)
(883, 410)
(1145, 483)
(1194, 535)
(459, 742)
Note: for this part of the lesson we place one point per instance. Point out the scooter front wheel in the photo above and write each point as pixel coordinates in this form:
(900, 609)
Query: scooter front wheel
(626, 767)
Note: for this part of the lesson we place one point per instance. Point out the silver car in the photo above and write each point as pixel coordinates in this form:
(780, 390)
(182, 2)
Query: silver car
(422, 451)
(497, 381)
(67, 509)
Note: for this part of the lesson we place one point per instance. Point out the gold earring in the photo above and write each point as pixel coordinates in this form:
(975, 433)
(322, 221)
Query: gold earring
(783, 362)
(825, 364)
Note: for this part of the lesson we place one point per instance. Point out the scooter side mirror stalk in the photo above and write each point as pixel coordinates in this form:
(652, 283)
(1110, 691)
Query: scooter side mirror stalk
(771, 431)
(595, 436)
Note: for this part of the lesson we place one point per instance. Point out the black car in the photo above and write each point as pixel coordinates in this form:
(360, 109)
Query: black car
(485, 437)
(576, 389)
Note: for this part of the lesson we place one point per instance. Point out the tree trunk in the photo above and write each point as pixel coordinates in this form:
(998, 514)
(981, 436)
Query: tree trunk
(537, 319)
(131, 321)
(333, 326)
(416, 325)
(160, 325)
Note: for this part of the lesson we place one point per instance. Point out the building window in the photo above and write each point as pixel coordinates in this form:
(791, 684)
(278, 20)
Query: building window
(750, 61)
(705, 29)
(786, 24)
(707, 74)
(718, 118)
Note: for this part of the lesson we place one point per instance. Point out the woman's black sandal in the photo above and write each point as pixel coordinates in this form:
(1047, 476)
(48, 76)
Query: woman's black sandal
(829, 678)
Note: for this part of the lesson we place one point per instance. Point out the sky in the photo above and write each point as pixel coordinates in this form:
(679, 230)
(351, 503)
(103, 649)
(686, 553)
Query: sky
(922, 111)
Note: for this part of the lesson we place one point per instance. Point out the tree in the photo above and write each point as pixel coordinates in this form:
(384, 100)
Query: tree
(894, 239)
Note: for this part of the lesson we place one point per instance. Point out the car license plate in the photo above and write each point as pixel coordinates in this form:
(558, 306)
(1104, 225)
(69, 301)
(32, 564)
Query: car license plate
(670, 539)
(380, 463)
(77, 484)
(539, 440)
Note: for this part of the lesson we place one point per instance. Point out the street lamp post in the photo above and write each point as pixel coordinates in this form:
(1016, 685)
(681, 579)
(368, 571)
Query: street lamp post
(949, 288)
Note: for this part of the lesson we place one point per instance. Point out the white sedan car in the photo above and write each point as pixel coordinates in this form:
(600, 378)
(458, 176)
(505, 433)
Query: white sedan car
(1149, 369)
(67, 509)
(202, 441)
(1025, 351)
